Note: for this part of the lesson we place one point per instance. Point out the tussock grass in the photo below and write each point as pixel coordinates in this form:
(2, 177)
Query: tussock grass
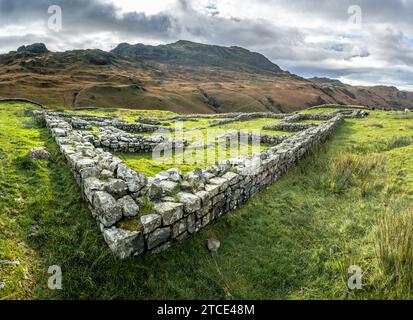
(394, 251)
(375, 124)
(383, 144)
(402, 116)
(348, 170)
(398, 142)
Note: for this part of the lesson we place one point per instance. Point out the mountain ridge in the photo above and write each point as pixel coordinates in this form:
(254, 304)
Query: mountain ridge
(183, 77)
(197, 54)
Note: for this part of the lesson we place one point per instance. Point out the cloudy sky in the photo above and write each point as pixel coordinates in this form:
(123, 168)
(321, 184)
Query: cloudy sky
(362, 42)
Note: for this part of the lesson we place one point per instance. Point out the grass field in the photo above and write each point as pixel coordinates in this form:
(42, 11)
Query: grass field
(349, 203)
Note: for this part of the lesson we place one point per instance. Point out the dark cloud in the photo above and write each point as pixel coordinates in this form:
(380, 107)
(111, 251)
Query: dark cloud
(86, 16)
(383, 44)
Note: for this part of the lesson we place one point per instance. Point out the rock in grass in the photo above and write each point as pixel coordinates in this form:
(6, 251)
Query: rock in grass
(213, 245)
(2, 285)
(39, 154)
(10, 263)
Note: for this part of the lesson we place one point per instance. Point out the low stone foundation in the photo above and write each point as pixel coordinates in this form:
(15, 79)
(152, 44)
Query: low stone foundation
(138, 214)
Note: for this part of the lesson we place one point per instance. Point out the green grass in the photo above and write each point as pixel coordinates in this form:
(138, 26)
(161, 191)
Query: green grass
(187, 161)
(318, 110)
(128, 115)
(347, 204)
(254, 124)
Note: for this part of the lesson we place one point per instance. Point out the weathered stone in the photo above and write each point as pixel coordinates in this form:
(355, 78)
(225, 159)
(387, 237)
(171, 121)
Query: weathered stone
(204, 196)
(207, 219)
(221, 182)
(129, 206)
(204, 210)
(169, 187)
(59, 132)
(151, 222)
(168, 199)
(90, 186)
(161, 176)
(85, 163)
(213, 245)
(124, 243)
(117, 188)
(190, 201)
(161, 248)
(195, 180)
(231, 177)
(193, 224)
(106, 174)
(155, 191)
(212, 189)
(179, 228)
(158, 237)
(169, 211)
(135, 181)
(186, 186)
(183, 236)
(39, 154)
(218, 198)
(107, 208)
(175, 174)
(90, 172)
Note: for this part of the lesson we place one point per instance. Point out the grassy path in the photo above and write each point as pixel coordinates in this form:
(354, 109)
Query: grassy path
(295, 240)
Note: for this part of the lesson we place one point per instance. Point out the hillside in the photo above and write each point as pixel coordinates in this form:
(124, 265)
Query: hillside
(182, 77)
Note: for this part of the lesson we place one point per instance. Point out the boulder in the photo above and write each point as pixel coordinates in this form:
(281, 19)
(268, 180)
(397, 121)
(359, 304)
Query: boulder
(39, 154)
(213, 245)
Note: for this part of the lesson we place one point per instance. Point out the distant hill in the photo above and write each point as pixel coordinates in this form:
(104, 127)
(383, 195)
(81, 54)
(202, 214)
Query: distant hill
(324, 80)
(197, 55)
(183, 77)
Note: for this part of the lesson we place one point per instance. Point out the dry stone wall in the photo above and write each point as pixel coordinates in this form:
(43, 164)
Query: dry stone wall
(116, 140)
(138, 214)
(86, 122)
